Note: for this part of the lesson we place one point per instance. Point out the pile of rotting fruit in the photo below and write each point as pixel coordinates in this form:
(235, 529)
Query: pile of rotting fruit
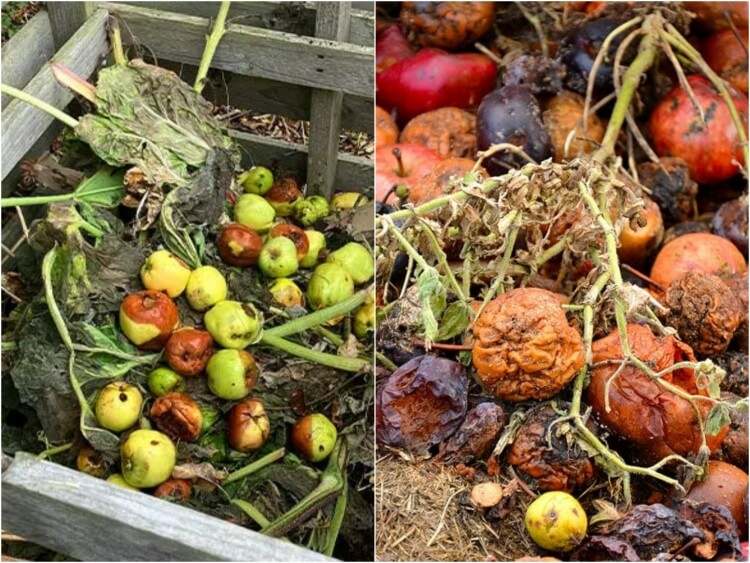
(562, 281)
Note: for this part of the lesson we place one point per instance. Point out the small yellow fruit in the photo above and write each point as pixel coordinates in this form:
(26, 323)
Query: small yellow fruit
(556, 521)
(287, 293)
(205, 288)
(163, 271)
(119, 480)
(316, 244)
(118, 406)
(147, 458)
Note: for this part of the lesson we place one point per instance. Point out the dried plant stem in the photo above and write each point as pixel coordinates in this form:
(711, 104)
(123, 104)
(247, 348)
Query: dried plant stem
(443, 261)
(212, 42)
(498, 285)
(115, 37)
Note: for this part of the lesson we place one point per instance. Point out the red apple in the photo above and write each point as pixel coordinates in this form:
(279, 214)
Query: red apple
(391, 47)
(401, 164)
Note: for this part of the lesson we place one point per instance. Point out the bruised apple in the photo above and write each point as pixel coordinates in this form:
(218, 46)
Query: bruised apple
(401, 164)
(239, 245)
(148, 318)
(233, 324)
(293, 233)
(448, 131)
(188, 350)
(232, 374)
(314, 437)
(147, 458)
(248, 426)
(283, 195)
(724, 485)
(442, 179)
(317, 247)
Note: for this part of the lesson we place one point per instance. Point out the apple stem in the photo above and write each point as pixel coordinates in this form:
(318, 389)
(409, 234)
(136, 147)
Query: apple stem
(401, 172)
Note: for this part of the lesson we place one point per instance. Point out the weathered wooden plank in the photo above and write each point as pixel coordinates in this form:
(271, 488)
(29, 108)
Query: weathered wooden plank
(291, 17)
(90, 519)
(66, 18)
(25, 53)
(22, 124)
(332, 22)
(286, 57)
(353, 173)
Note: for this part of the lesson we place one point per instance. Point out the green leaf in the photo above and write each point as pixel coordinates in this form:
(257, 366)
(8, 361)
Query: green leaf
(717, 419)
(453, 321)
(432, 297)
(105, 188)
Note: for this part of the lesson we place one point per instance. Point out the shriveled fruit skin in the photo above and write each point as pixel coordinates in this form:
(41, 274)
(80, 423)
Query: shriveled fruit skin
(188, 350)
(450, 132)
(178, 416)
(655, 421)
(562, 115)
(551, 460)
(422, 403)
(524, 347)
(448, 25)
(671, 187)
(725, 485)
(386, 130)
(174, 489)
(476, 436)
(712, 150)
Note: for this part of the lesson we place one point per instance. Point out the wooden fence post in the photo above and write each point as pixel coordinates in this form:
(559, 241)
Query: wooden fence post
(65, 19)
(331, 22)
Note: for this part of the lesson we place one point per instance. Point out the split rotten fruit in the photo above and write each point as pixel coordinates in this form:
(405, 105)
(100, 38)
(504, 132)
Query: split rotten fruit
(330, 284)
(422, 403)
(248, 426)
(175, 489)
(118, 406)
(287, 293)
(163, 271)
(148, 318)
(90, 461)
(255, 212)
(205, 288)
(317, 245)
(278, 258)
(556, 521)
(256, 180)
(231, 374)
(655, 420)
(163, 380)
(293, 233)
(314, 436)
(724, 485)
(448, 25)
(147, 458)
(283, 195)
(233, 324)
(178, 416)
(188, 350)
(712, 150)
(239, 245)
(524, 347)
(356, 260)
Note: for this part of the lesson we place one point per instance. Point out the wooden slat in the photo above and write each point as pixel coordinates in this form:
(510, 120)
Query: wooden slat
(353, 173)
(22, 124)
(285, 57)
(90, 519)
(26, 52)
(66, 18)
(332, 22)
(291, 17)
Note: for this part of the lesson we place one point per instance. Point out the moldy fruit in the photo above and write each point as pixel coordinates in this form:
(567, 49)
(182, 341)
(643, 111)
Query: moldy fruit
(178, 416)
(163, 271)
(90, 461)
(188, 349)
(205, 288)
(287, 293)
(239, 245)
(310, 210)
(147, 318)
(118, 406)
(233, 324)
(147, 458)
(248, 426)
(255, 212)
(163, 380)
(313, 436)
(256, 180)
(232, 374)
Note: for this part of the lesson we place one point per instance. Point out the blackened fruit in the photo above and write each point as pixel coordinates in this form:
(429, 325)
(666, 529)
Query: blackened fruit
(730, 221)
(476, 436)
(671, 187)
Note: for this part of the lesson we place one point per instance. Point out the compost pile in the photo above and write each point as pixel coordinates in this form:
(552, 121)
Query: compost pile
(562, 281)
(189, 330)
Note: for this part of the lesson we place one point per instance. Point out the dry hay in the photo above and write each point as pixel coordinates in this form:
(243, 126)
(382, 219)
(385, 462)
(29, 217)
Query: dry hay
(422, 514)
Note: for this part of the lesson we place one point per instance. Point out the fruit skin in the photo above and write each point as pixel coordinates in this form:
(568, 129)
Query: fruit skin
(364, 320)
(556, 521)
(239, 245)
(314, 436)
(283, 195)
(148, 318)
(118, 406)
(188, 350)
(232, 374)
(248, 426)
(724, 485)
(233, 324)
(287, 293)
(637, 244)
(293, 233)
(386, 130)
(178, 416)
(310, 210)
(433, 79)
(709, 150)
(317, 245)
(163, 271)
(443, 179)
(119, 480)
(391, 47)
(329, 284)
(147, 458)
(163, 380)
(448, 25)
(348, 200)
(401, 164)
(278, 258)
(205, 288)
(175, 489)
(726, 55)
(90, 461)
(564, 113)
(450, 132)
(356, 260)
(256, 180)
(255, 212)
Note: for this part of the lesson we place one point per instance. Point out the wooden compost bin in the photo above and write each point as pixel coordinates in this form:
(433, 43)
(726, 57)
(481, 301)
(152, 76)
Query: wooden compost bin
(299, 60)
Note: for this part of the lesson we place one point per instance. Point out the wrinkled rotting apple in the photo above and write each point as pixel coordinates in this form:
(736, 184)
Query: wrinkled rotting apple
(90, 461)
(118, 406)
(233, 324)
(293, 233)
(188, 350)
(283, 195)
(256, 180)
(239, 245)
(231, 374)
(356, 260)
(278, 258)
(147, 458)
(164, 380)
(148, 318)
(178, 416)
(163, 271)
(248, 426)
(314, 436)
(330, 284)
(174, 489)
(287, 293)
(317, 245)
(205, 288)
(255, 212)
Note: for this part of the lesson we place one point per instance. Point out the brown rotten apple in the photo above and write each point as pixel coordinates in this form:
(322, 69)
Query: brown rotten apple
(293, 233)
(248, 426)
(239, 245)
(178, 416)
(148, 318)
(188, 350)
(448, 131)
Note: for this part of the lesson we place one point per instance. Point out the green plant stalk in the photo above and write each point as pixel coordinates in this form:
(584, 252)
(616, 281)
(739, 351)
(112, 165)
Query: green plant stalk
(115, 38)
(355, 365)
(317, 318)
(56, 198)
(212, 42)
(256, 465)
(49, 452)
(334, 528)
(331, 482)
(248, 508)
(385, 362)
(39, 104)
(443, 261)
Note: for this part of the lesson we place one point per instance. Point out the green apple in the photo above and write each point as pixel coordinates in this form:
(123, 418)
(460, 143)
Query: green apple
(205, 288)
(255, 212)
(314, 437)
(164, 380)
(356, 260)
(231, 374)
(278, 258)
(147, 458)
(317, 244)
(119, 480)
(364, 320)
(330, 284)
(256, 180)
(310, 210)
(118, 406)
(163, 271)
(233, 324)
